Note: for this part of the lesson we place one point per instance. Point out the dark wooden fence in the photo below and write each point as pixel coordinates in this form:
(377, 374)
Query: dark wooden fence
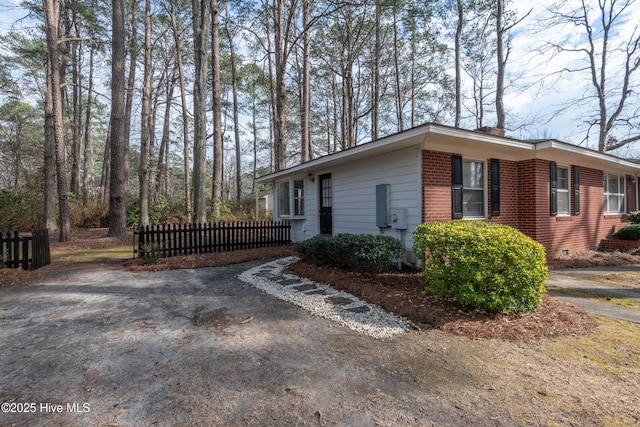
(185, 239)
(30, 252)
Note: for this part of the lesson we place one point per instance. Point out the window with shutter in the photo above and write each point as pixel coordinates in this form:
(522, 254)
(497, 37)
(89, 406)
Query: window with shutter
(553, 193)
(576, 190)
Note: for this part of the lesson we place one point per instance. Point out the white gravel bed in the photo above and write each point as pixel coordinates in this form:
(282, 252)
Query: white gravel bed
(375, 322)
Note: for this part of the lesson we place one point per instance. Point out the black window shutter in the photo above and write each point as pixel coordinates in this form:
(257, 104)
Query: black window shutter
(553, 177)
(456, 186)
(576, 190)
(495, 187)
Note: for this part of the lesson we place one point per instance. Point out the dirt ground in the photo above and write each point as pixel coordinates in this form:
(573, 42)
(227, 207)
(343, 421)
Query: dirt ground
(125, 348)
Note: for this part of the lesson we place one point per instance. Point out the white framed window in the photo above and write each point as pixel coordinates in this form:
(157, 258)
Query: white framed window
(291, 198)
(563, 187)
(473, 189)
(614, 194)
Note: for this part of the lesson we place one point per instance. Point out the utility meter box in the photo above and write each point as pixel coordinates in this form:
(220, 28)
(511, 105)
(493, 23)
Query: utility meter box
(382, 205)
(398, 218)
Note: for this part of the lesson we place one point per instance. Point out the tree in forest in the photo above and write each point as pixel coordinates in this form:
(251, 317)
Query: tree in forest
(201, 23)
(608, 53)
(176, 30)
(20, 144)
(216, 187)
(236, 122)
(506, 20)
(25, 55)
(118, 142)
(145, 122)
(55, 132)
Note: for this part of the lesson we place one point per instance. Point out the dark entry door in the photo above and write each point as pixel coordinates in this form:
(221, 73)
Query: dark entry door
(326, 202)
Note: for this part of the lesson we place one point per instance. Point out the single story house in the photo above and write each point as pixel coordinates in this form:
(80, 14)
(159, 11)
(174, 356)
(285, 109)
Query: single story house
(566, 197)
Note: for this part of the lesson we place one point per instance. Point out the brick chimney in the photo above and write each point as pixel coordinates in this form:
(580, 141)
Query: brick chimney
(491, 130)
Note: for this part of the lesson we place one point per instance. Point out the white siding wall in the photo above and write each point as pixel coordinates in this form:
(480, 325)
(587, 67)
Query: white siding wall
(354, 196)
(354, 193)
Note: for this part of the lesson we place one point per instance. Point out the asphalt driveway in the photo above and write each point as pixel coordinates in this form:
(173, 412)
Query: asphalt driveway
(190, 347)
(108, 347)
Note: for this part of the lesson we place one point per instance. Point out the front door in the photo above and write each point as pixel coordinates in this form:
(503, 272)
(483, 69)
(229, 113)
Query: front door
(326, 202)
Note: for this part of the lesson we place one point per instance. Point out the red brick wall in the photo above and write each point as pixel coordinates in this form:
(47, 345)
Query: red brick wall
(436, 186)
(525, 204)
(509, 206)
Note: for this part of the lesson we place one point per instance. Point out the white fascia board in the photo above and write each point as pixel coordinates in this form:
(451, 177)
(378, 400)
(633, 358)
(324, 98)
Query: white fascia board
(480, 137)
(591, 154)
(389, 143)
(418, 136)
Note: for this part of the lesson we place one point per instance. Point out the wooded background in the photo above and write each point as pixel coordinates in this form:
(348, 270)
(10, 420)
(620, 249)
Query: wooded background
(136, 111)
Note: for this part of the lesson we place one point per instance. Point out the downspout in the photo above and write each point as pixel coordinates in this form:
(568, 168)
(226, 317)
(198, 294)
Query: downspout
(635, 181)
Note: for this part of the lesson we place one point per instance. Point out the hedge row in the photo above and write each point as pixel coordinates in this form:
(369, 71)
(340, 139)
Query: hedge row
(359, 252)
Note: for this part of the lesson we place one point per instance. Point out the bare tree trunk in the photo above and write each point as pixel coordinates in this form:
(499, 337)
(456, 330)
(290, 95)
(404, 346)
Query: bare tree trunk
(305, 110)
(185, 116)
(217, 113)
(500, 33)
(458, 66)
(375, 96)
(254, 125)
(133, 52)
(87, 133)
(105, 176)
(236, 121)
(396, 63)
(281, 92)
(50, 217)
(76, 146)
(201, 16)
(52, 21)
(119, 140)
(145, 132)
(164, 142)
(153, 163)
(272, 93)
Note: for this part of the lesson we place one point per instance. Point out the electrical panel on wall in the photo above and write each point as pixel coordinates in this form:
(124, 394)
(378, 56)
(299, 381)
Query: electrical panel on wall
(382, 205)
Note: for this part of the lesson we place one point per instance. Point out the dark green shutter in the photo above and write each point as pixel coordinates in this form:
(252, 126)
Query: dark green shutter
(495, 187)
(576, 190)
(456, 186)
(553, 178)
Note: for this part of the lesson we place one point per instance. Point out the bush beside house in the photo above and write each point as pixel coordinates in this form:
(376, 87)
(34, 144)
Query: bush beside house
(360, 252)
(483, 265)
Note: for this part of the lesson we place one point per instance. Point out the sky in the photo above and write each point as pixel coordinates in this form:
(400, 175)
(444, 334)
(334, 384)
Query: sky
(544, 100)
(530, 99)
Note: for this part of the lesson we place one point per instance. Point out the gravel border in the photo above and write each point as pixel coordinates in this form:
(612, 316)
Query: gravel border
(324, 301)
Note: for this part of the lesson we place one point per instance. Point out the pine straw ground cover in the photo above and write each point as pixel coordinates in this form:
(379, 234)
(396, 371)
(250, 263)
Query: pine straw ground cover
(401, 292)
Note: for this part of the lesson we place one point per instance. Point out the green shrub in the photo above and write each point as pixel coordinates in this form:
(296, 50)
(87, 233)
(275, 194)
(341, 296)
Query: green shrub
(482, 265)
(359, 252)
(151, 254)
(21, 209)
(634, 217)
(628, 232)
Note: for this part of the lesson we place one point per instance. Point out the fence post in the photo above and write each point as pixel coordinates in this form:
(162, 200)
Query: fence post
(2, 260)
(25, 252)
(15, 253)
